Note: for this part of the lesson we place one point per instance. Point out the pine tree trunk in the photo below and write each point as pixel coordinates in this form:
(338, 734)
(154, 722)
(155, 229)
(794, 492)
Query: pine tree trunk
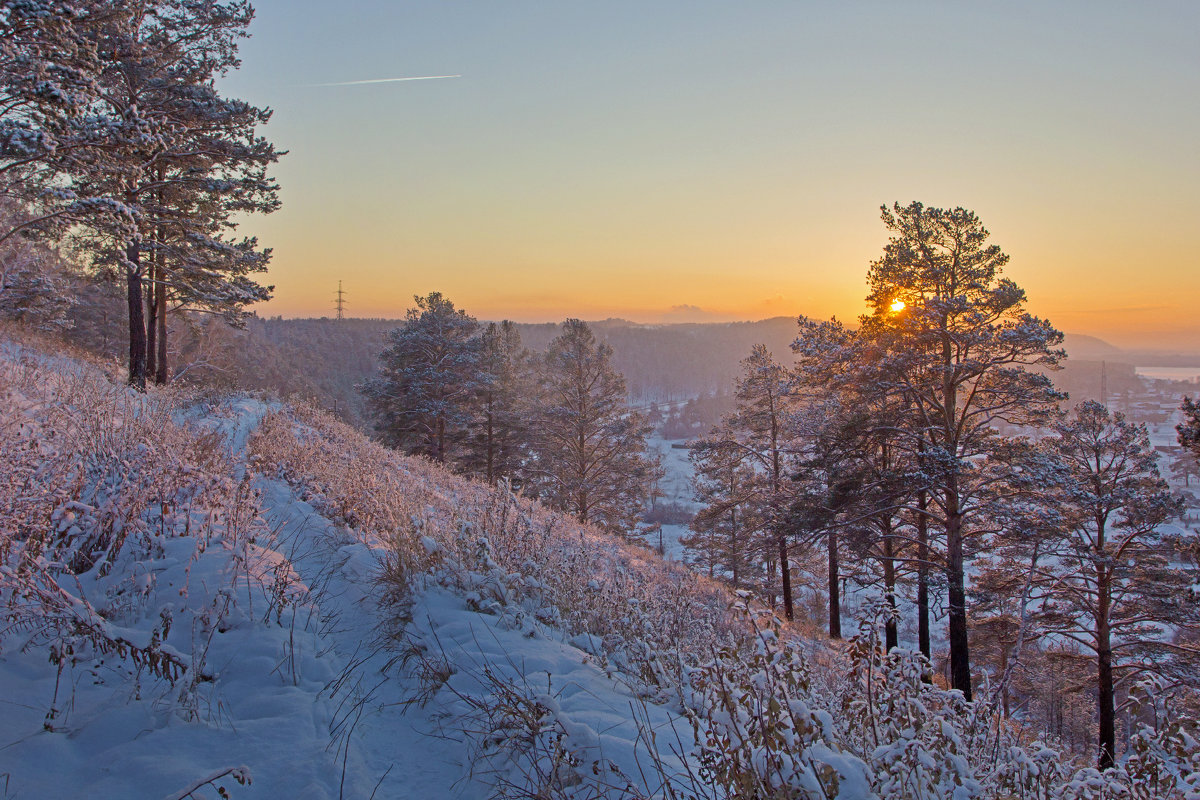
(581, 470)
(162, 373)
(835, 600)
(137, 318)
(440, 445)
(157, 329)
(151, 319)
(1107, 745)
(735, 554)
(891, 633)
(786, 572)
(960, 658)
(923, 575)
(491, 444)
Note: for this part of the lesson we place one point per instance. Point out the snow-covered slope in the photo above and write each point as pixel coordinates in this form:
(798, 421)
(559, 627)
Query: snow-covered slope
(238, 627)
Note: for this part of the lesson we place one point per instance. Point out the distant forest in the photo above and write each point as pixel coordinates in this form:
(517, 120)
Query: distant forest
(324, 360)
(327, 358)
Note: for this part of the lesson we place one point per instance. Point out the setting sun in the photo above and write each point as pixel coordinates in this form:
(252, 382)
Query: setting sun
(897, 306)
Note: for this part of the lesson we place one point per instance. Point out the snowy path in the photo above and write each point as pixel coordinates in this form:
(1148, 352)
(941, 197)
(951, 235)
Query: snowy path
(398, 753)
(422, 752)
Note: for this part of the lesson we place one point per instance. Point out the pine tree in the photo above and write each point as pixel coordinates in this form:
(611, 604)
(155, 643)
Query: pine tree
(856, 470)
(725, 532)
(960, 344)
(146, 157)
(1189, 429)
(1109, 582)
(428, 378)
(194, 261)
(497, 442)
(35, 285)
(1184, 466)
(590, 456)
(48, 68)
(759, 423)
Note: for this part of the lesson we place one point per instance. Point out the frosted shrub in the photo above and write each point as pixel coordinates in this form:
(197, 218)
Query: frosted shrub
(1163, 758)
(95, 480)
(533, 750)
(757, 732)
(919, 739)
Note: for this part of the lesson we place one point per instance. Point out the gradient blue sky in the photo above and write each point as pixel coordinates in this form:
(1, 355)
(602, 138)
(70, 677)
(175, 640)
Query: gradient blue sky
(702, 160)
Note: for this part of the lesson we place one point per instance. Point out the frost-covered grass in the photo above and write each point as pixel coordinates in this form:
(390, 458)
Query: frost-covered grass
(152, 629)
(97, 482)
(504, 552)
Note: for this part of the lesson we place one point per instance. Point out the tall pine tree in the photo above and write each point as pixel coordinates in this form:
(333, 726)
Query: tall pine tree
(961, 344)
(1109, 581)
(497, 441)
(147, 160)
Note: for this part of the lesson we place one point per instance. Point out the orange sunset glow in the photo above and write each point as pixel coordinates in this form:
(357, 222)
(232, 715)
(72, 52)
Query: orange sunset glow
(694, 164)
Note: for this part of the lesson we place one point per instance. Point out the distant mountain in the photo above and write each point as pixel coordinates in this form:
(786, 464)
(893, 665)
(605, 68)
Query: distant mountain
(325, 360)
(675, 361)
(1089, 348)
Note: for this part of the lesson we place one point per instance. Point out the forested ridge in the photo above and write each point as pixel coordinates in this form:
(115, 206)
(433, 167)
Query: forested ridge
(281, 581)
(324, 359)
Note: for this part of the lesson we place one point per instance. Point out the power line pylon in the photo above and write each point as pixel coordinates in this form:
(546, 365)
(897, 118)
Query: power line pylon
(341, 302)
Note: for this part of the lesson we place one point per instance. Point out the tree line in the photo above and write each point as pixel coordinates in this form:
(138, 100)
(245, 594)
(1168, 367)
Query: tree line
(556, 425)
(927, 452)
(116, 145)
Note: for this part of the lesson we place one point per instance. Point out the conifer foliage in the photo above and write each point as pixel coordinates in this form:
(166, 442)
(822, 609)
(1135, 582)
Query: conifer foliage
(1107, 579)
(1189, 429)
(496, 442)
(743, 468)
(726, 486)
(963, 345)
(590, 446)
(422, 396)
(558, 426)
(129, 146)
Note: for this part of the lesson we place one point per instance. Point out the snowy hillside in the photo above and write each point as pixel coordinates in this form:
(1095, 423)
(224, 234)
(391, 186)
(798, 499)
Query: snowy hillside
(208, 594)
(220, 621)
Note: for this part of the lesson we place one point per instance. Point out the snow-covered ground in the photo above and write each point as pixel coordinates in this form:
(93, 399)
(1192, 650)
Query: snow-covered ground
(676, 487)
(305, 689)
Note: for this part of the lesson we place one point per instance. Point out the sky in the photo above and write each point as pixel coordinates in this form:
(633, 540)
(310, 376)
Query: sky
(696, 161)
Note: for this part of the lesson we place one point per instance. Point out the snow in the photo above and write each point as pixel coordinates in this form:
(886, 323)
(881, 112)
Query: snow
(597, 715)
(676, 486)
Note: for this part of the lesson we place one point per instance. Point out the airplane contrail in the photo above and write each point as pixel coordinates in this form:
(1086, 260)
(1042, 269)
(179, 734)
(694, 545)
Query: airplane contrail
(387, 80)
